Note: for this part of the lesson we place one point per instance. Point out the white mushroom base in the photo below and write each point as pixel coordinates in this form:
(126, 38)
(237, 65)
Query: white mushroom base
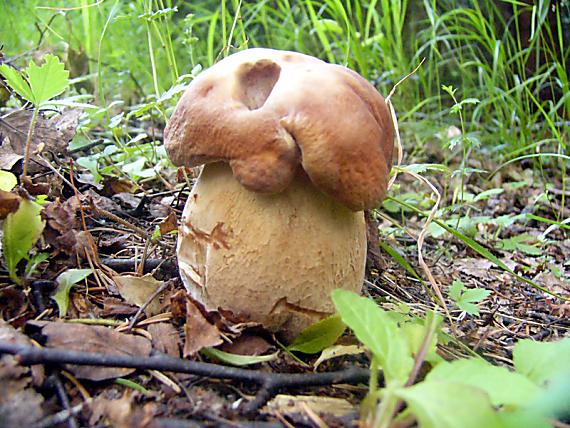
(271, 259)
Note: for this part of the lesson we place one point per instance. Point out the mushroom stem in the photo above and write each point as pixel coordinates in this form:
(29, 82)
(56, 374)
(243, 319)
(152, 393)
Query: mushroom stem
(268, 258)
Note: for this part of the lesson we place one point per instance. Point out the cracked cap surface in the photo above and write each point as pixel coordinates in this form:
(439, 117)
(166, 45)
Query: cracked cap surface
(268, 113)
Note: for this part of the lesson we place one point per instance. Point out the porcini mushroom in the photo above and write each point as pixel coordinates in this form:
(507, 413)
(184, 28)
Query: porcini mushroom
(294, 150)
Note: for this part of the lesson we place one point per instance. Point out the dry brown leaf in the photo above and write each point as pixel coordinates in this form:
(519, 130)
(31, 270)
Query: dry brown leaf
(200, 333)
(289, 405)
(9, 203)
(136, 290)
(20, 404)
(165, 338)
(248, 344)
(476, 267)
(168, 224)
(90, 338)
(50, 135)
(120, 413)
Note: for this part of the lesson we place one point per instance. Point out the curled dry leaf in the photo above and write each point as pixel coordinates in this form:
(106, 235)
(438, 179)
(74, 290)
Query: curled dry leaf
(9, 203)
(168, 224)
(200, 333)
(136, 290)
(89, 338)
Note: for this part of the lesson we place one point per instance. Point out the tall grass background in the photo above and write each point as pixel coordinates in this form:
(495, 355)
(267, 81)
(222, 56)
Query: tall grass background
(515, 81)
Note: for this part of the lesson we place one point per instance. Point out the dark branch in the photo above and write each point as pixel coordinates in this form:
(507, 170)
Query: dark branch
(270, 383)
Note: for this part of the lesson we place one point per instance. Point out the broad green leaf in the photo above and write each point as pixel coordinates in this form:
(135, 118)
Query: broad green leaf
(542, 361)
(7, 180)
(48, 80)
(21, 231)
(319, 336)
(237, 360)
(65, 282)
(16, 82)
(505, 388)
(378, 332)
(416, 332)
(440, 404)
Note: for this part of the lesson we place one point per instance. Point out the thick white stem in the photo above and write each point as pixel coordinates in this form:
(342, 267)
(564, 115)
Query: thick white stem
(270, 259)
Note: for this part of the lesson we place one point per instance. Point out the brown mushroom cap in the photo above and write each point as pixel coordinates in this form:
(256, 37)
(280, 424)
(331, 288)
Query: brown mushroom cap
(266, 111)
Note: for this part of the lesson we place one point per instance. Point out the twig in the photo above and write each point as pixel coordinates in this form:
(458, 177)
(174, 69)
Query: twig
(129, 265)
(60, 417)
(153, 296)
(270, 383)
(64, 400)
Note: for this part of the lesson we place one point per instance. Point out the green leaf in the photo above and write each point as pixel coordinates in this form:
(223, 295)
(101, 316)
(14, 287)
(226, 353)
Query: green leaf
(400, 259)
(415, 332)
(16, 82)
(465, 298)
(542, 361)
(48, 80)
(7, 180)
(488, 193)
(505, 388)
(319, 336)
(378, 332)
(456, 289)
(65, 282)
(21, 231)
(440, 404)
(237, 360)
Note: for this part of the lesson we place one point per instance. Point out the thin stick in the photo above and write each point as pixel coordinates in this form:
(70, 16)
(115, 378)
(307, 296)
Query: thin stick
(270, 383)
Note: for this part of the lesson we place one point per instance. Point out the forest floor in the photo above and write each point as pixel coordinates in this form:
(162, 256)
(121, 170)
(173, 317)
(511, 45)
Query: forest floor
(113, 225)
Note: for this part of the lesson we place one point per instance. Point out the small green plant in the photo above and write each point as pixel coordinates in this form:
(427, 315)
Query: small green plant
(22, 229)
(465, 298)
(468, 393)
(38, 85)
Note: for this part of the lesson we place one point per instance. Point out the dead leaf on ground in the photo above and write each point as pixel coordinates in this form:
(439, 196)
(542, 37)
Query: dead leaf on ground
(90, 338)
(291, 405)
(200, 333)
(165, 338)
(9, 203)
(248, 344)
(50, 135)
(168, 224)
(113, 306)
(20, 404)
(120, 412)
(136, 290)
(475, 267)
(62, 224)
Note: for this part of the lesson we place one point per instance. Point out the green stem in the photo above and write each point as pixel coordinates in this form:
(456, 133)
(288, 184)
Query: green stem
(29, 141)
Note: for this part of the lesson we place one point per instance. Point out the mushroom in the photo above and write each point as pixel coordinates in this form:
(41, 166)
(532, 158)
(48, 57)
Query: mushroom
(294, 149)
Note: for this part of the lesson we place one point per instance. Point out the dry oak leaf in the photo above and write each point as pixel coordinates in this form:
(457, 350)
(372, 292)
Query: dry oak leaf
(136, 290)
(90, 338)
(200, 333)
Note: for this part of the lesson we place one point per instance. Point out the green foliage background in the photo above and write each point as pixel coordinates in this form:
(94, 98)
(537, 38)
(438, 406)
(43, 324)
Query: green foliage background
(132, 49)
